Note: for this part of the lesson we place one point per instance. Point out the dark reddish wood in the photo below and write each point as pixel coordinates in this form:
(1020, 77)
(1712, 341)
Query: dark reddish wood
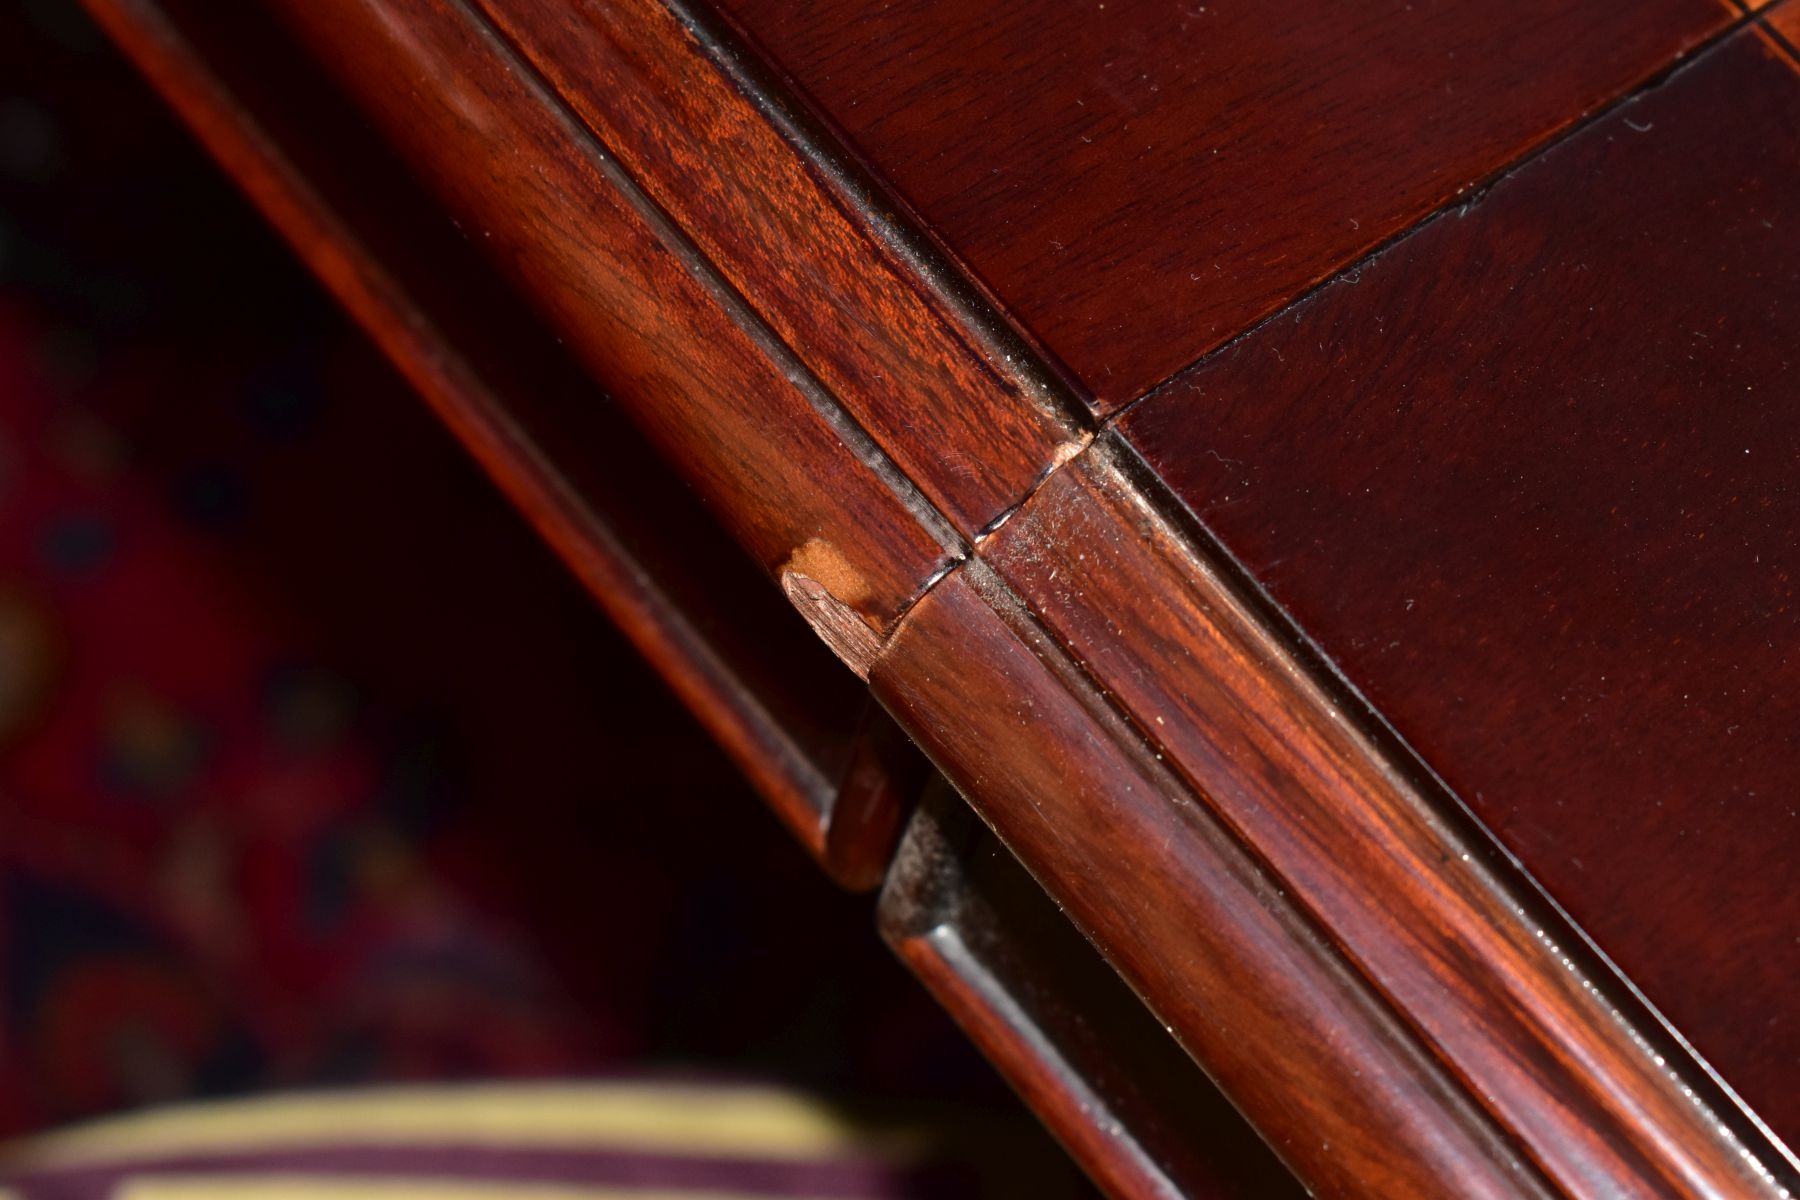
(1533, 482)
(1498, 475)
(1498, 986)
(1138, 180)
(742, 662)
(1123, 1097)
(1302, 1046)
(952, 403)
(1784, 19)
(781, 467)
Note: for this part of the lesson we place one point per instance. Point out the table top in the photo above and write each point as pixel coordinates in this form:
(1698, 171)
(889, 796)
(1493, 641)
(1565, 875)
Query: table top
(1318, 479)
(1529, 479)
(1138, 183)
(1525, 473)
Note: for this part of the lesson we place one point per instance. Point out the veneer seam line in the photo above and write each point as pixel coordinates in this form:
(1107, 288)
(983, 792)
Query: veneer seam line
(1315, 667)
(1771, 31)
(857, 439)
(1462, 204)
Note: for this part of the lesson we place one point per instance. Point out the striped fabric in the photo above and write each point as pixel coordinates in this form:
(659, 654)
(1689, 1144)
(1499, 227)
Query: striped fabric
(590, 1141)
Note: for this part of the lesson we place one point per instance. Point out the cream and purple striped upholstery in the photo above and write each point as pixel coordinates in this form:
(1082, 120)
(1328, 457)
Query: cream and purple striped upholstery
(585, 1141)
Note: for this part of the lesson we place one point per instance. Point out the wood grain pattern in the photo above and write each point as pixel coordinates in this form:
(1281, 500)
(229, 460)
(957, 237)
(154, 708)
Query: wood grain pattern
(1138, 181)
(1784, 19)
(1420, 907)
(953, 405)
(1129, 1104)
(1526, 465)
(742, 662)
(1530, 480)
(775, 459)
(1315, 1060)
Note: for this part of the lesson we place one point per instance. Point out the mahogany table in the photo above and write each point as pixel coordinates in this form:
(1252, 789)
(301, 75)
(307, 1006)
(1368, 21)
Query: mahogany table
(1320, 481)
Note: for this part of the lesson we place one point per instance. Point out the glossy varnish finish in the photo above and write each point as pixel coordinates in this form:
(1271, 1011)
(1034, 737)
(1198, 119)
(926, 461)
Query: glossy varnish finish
(1533, 481)
(1300, 1043)
(1138, 180)
(1132, 1108)
(1494, 986)
(795, 481)
(1462, 435)
(954, 407)
(794, 721)
(1783, 21)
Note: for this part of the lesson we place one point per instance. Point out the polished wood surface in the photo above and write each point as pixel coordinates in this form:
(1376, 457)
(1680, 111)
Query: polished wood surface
(944, 392)
(1783, 22)
(831, 765)
(794, 480)
(1282, 677)
(1129, 1105)
(1139, 180)
(1532, 480)
(1494, 982)
(1306, 1048)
